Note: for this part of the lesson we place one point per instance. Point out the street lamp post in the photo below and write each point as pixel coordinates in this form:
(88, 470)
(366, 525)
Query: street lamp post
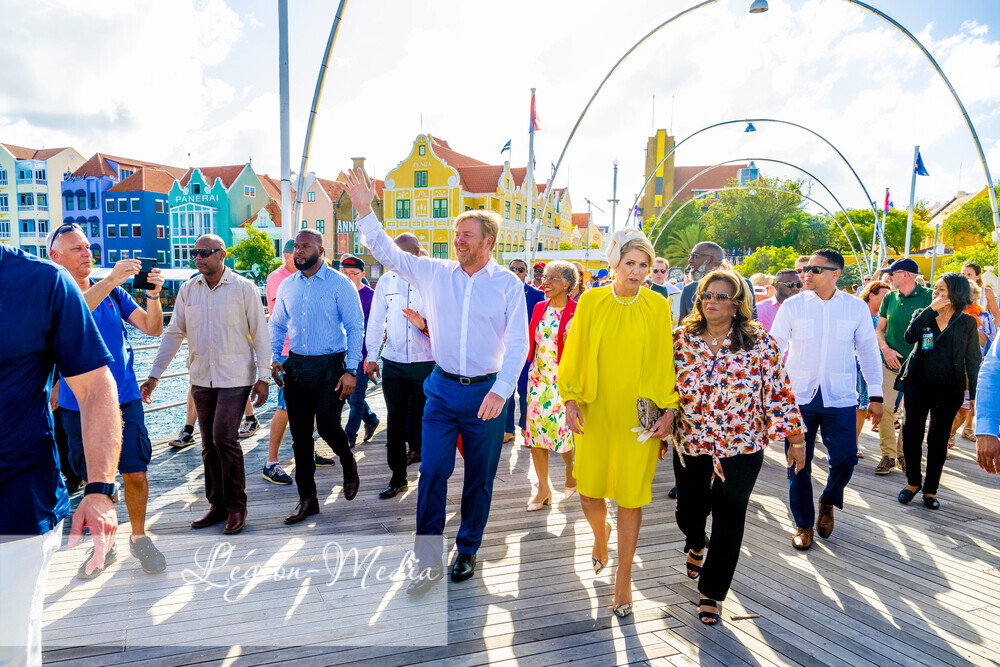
(614, 196)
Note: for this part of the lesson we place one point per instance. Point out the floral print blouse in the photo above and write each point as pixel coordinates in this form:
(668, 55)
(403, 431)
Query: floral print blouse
(732, 402)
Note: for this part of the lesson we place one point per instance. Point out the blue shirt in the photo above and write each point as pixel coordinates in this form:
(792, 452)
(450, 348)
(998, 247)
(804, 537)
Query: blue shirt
(988, 394)
(110, 322)
(320, 315)
(45, 326)
(532, 296)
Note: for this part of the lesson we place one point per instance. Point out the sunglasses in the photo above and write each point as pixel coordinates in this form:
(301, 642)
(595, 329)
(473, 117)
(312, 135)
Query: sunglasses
(518, 269)
(204, 253)
(816, 270)
(790, 284)
(697, 254)
(720, 297)
(659, 270)
(68, 227)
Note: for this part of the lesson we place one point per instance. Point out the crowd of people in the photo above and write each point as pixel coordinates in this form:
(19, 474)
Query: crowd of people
(612, 372)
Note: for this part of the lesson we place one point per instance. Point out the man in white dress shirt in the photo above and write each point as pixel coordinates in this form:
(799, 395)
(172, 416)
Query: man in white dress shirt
(478, 326)
(406, 363)
(824, 330)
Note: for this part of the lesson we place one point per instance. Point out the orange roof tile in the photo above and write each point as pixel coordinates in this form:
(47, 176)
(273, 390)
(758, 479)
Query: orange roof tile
(718, 177)
(228, 174)
(22, 153)
(333, 189)
(580, 220)
(147, 179)
(273, 208)
(98, 165)
(453, 158)
(272, 186)
(480, 178)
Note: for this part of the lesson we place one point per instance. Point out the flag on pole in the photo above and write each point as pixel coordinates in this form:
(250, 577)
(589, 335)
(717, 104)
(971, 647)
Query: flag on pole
(888, 203)
(534, 125)
(506, 148)
(918, 166)
(552, 166)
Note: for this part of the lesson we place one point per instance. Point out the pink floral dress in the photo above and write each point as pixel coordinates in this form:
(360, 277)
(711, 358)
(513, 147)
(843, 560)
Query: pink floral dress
(547, 427)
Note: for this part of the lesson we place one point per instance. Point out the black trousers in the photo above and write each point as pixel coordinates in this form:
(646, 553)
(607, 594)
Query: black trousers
(311, 395)
(698, 496)
(403, 389)
(942, 403)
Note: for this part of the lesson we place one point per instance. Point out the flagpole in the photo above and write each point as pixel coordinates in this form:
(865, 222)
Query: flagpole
(883, 249)
(913, 187)
(875, 249)
(529, 214)
(937, 228)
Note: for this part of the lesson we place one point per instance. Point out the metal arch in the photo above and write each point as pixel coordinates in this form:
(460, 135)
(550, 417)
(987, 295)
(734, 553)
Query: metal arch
(569, 139)
(764, 187)
(968, 121)
(871, 202)
(787, 164)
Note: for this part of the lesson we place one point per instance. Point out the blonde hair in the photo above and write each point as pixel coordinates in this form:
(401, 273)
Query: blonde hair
(760, 280)
(489, 221)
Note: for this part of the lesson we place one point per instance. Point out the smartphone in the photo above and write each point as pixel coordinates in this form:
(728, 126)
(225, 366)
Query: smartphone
(141, 279)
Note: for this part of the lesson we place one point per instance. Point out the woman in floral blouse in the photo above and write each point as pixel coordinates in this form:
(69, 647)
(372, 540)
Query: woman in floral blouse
(734, 397)
(547, 430)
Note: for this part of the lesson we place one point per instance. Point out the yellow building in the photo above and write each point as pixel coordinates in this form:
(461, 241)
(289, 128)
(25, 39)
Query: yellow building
(434, 183)
(30, 196)
(661, 186)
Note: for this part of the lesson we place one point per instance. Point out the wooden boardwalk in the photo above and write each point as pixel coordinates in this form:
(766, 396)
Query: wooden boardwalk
(893, 585)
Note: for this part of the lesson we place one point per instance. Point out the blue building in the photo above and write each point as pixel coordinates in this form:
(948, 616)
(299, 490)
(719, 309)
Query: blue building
(83, 195)
(136, 217)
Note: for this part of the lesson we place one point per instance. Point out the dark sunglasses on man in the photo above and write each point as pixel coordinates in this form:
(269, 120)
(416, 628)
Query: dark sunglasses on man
(204, 253)
(659, 270)
(816, 269)
(790, 284)
(518, 269)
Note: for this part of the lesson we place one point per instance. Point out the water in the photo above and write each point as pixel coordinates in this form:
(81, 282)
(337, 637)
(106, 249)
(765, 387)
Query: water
(167, 423)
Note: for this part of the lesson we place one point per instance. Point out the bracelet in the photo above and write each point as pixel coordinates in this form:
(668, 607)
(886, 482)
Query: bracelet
(798, 446)
(875, 399)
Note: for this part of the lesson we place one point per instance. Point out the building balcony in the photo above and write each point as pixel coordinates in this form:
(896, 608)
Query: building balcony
(4, 208)
(31, 181)
(33, 234)
(32, 207)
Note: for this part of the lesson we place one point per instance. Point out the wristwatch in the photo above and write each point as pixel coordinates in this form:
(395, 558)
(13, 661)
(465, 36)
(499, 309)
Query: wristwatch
(353, 372)
(110, 490)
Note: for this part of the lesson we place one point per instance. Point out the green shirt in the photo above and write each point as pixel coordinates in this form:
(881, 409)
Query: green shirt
(898, 311)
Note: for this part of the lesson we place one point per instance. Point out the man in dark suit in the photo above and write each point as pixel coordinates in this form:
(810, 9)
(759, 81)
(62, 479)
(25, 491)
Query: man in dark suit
(704, 258)
(531, 296)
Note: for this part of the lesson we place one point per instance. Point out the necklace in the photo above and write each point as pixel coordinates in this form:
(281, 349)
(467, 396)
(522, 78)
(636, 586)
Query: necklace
(715, 339)
(624, 303)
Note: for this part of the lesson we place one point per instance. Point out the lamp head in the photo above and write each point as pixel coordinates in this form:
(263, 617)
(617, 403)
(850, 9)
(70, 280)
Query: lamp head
(750, 127)
(758, 7)
(614, 162)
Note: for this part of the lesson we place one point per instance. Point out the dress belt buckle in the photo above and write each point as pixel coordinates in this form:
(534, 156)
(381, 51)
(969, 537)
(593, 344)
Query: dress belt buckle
(465, 381)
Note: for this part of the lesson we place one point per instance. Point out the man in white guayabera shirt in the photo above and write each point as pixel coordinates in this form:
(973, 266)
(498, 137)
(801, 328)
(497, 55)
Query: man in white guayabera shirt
(478, 326)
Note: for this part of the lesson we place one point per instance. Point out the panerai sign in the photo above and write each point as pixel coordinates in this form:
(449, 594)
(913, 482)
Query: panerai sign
(183, 199)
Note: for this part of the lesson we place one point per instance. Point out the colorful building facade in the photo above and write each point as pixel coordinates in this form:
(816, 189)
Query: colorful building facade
(434, 183)
(136, 218)
(30, 199)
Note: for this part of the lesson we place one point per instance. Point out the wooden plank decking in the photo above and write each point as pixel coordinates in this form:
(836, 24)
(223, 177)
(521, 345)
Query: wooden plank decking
(893, 585)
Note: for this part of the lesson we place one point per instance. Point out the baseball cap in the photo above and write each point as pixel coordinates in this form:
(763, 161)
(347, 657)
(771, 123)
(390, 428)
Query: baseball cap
(603, 273)
(539, 265)
(289, 246)
(904, 264)
(351, 262)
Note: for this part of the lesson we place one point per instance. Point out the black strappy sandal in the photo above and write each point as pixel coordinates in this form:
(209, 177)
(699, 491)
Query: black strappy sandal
(708, 618)
(694, 570)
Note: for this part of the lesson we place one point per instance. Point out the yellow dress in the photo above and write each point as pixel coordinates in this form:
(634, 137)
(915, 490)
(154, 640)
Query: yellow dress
(613, 355)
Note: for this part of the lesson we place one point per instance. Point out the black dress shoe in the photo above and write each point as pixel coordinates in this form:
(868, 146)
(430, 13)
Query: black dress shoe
(672, 493)
(306, 507)
(424, 580)
(393, 489)
(412, 457)
(464, 567)
(351, 480)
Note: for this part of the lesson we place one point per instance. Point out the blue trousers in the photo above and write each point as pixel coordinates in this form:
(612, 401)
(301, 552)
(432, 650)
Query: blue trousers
(451, 409)
(359, 406)
(522, 401)
(838, 428)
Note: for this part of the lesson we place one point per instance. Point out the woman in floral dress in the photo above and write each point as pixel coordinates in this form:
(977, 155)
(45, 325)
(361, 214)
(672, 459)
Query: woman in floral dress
(547, 430)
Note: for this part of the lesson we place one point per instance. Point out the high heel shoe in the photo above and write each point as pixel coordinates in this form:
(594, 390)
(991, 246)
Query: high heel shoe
(568, 492)
(694, 570)
(707, 617)
(534, 507)
(623, 610)
(600, 565)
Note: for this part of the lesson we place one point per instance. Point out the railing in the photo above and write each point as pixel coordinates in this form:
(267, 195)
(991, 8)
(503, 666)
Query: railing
(165, 376)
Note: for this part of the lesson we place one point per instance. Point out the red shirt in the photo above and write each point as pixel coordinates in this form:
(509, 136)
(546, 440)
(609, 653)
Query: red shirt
(273, 280)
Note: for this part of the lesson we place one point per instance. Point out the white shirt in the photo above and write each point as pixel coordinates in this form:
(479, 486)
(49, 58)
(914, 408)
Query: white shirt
(478, 324)
(404, 343)
(823, 338)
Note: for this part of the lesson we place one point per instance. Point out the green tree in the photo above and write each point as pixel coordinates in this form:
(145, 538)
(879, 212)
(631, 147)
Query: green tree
(984, 254)
(254, 255)
(971, 224)
(680, 242)
(754, 218)
(659, 233)
(768, 259)
(850, 276)
(864, 222)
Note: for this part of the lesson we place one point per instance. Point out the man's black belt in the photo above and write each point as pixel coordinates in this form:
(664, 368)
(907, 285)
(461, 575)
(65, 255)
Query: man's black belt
(463, 379)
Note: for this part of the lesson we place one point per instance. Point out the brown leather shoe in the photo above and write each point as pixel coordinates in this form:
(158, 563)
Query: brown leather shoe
(803, 539)
(235, 523)
(213, 516)
(304, 509)
(352, 482)
(824, 522)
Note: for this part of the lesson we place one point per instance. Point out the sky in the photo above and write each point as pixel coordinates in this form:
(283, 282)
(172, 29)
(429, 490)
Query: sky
(159, 80)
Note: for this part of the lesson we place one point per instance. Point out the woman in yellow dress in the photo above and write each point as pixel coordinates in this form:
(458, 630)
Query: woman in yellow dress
(619, 350)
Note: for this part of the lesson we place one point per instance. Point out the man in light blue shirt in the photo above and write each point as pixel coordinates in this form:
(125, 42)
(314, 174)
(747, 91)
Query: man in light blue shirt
(478, 326)
(988, 413)
(320, 311)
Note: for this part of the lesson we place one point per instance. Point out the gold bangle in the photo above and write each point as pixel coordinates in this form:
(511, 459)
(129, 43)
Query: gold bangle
(798, 446)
